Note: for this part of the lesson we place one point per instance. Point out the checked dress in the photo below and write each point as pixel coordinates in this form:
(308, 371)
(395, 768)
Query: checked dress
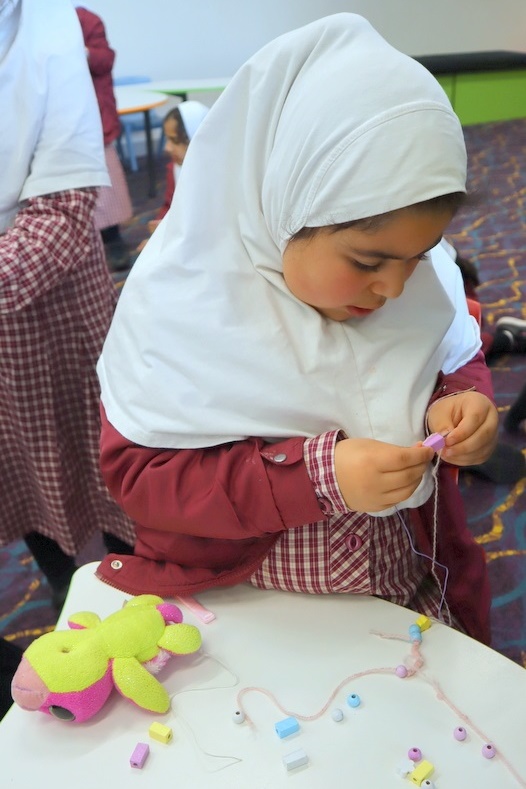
(56, 303)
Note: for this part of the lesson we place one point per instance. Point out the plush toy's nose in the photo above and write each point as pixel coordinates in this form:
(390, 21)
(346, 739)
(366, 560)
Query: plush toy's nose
(27, 689)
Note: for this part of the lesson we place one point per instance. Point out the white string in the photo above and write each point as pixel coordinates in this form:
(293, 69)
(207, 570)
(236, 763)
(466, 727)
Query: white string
(432, 558)
(188, 729)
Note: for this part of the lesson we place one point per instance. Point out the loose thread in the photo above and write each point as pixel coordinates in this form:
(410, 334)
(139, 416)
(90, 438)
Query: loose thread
(434, 563)
(443, 601)
(232, 759)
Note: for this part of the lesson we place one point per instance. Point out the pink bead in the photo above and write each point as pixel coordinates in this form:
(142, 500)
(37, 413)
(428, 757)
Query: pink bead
(460, 733)
(401, 671)
(415, 754)
(488, 751)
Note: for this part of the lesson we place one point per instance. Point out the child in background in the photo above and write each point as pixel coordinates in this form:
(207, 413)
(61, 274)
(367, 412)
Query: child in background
(290, 334)
(509, 335)
(56, 294)
(114, 203)
(179, 126)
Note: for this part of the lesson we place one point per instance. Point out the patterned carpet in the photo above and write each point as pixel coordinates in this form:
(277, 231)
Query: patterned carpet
(491, 230)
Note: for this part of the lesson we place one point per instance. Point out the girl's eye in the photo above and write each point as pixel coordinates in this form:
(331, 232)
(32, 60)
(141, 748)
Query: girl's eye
(371, 269)
(364, 267)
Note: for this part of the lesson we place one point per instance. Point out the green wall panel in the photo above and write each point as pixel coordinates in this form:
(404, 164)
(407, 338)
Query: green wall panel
(485, 96)
(448, 83)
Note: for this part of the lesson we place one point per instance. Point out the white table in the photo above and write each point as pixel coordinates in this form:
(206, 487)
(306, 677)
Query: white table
(130, 99)
(300, 648)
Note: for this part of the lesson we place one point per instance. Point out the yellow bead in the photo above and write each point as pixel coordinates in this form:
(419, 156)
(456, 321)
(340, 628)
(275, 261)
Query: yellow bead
(158, 731)
(421, 772)
(423, 622)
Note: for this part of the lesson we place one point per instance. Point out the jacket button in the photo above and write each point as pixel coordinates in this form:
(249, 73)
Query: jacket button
(280, 457)
(116, 564)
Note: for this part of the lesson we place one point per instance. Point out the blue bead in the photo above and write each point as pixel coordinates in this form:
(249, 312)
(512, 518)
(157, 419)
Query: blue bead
(353, 700)
(415, 633)
(286, 727)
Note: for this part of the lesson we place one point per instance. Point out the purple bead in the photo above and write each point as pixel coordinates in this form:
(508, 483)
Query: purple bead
(139, 755)
(401, 671)
(435, 441)
(460, 733)
(488, 751)
(415, 754)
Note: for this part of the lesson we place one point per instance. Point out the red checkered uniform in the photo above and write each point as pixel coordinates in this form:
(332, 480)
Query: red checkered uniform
(349, 552)
(56, 303)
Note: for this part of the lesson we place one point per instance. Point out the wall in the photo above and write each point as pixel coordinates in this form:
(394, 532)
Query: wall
(206, 38)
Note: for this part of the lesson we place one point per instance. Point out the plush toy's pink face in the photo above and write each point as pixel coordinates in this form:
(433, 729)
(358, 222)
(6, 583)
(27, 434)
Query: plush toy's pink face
(30, 692)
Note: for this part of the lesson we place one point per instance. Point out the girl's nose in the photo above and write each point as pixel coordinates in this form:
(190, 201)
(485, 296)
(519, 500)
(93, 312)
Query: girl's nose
(390, 284)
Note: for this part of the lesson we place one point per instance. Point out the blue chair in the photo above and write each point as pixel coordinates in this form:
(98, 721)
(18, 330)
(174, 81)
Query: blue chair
(135, 122)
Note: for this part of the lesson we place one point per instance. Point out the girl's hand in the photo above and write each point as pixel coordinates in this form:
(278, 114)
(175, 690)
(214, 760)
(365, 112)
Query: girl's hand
(471, 421)
(373, 476)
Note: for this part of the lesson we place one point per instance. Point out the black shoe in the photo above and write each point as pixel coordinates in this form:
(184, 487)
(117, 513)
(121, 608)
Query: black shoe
(514, 329)
(506, 466)
(118, 255)
(58, 598)
(517, 413)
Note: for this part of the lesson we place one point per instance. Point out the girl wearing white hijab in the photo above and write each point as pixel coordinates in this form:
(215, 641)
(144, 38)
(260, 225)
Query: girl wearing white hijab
(56, 295)
(267, 379)
(179, 126)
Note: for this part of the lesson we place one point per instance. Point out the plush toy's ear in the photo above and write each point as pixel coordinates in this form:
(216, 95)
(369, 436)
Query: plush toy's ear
(180, 639)
(82, 620)
(144, 599)
(136, 683)
(170, 613)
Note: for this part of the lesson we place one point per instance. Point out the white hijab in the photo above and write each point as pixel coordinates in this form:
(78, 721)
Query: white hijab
(192, 113)
(326, 124)
(50, 127)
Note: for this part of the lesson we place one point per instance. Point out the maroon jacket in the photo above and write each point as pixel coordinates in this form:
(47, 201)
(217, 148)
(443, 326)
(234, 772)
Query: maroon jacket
(100, 61)
(209, 517)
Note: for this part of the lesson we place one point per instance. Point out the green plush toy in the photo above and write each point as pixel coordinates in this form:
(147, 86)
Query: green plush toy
(71, 673)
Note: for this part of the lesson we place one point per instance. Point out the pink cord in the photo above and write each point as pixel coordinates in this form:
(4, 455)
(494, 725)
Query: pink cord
(196, 608)
(416, 668)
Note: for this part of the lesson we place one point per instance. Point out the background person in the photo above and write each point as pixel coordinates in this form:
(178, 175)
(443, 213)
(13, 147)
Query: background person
(113, 203)
(56, 294)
